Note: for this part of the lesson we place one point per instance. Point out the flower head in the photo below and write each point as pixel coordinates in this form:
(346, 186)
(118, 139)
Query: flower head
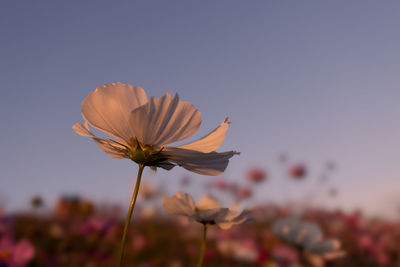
(298, 171)
(307, 237)
(141, 128)
(15, 254)
(256, 175)
(205, 211)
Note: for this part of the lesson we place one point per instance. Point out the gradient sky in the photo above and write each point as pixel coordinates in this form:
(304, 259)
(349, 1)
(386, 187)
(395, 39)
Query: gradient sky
(318, 80)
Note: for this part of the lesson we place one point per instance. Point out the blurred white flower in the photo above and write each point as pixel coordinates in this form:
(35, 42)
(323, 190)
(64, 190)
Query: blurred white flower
(141, 128)
(206, 211)
(307, 237)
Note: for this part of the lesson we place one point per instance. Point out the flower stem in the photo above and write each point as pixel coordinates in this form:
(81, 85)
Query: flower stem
(129, 215)
(203, 246)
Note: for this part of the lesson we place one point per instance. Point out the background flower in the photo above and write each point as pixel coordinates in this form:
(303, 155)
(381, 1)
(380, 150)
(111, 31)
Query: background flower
(206, 211)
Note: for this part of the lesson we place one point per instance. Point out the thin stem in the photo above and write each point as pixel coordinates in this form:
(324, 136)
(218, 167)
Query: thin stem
(129, 215)
(203, 246)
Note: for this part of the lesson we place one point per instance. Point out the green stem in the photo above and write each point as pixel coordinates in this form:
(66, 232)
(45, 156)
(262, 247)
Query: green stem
(129, 215)
(203, 246)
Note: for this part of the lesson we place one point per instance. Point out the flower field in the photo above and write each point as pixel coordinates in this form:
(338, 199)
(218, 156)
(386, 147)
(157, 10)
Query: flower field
(77, 232)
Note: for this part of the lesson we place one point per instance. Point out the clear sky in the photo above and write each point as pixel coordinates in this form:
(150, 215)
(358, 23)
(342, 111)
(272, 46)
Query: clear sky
(318, 80)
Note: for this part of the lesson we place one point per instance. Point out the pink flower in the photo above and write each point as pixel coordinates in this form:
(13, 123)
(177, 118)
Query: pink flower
(365, 242)
(244, 193)
(256, 175)
(221, 185)
(139, 243)
(96, 225)
(15, 254)
(285, 254)
(298, 171)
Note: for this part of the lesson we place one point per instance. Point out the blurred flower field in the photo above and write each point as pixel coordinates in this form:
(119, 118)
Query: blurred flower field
(77, 232)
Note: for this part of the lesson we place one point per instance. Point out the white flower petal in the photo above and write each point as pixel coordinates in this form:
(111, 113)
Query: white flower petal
(202, 163)
(108, 108)
(165, 120)
(113, 149)
(83, 129)
(207, 203)
(308, 234)
(298, 232)
(166, 165)
(233, 217)
(180, 204)
(212, 141)
(110, 148)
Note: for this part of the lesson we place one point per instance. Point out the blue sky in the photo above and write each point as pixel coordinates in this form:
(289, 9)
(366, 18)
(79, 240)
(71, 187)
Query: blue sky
(316, 80)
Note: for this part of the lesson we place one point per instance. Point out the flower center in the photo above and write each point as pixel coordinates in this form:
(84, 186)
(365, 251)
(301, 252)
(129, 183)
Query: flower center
(145, 154)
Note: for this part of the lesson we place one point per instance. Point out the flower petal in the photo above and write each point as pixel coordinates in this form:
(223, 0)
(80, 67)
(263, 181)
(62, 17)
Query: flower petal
(112, 148)
(165, 120)
(298, 232)
(202, 163)
(308, 234)
(207, 203)
(166, 165)
(108, 108)
(83, 129)
(233, 217)
(180, 204)
(212, 141)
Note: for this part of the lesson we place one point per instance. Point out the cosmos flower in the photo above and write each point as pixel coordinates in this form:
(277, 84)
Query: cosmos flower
(207, 211)
(141, 129)
(15, 254)
(243, 193)
(307, 237)
(36, 202)
(220, 185)
(298, 171)
(256, 175)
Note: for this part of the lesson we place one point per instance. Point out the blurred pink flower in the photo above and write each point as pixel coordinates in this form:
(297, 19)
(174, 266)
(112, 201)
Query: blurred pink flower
(221, 185)
(298, 171)
(243, 193)
(382, 258)
(96, 225)
(285, 255)
(365, 242)
(354, 220)
(139, 242)
(37, 202)
(256, 175)
(210, 254)
(15, 254)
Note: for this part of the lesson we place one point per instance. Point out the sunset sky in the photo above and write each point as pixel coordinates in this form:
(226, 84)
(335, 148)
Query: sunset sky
(316, 80)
